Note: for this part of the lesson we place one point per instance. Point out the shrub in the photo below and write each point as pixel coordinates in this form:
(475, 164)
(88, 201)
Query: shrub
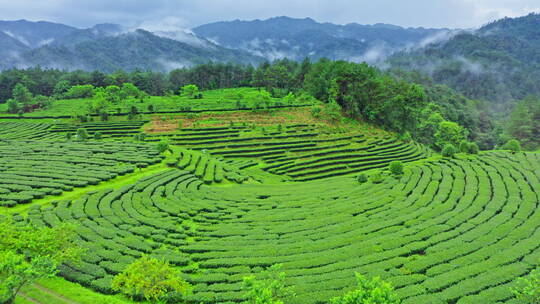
(449, 150)
(98, 135)
(528, 288)
(150, 278)
(406, 137)
(82, 134)
(104, 115)
(464, 146)
(190, 90)
(369, 291)
(162, 146)
(512, 145)
(362, 178)
(377, 178)
(473, 148)
(396, 167)
(269, 289)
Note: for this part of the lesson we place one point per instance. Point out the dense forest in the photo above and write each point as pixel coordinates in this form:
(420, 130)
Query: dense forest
(406, 102)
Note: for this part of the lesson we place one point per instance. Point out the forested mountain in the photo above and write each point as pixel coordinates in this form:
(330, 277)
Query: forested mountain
(499, 62)
(284, 37)
(130, 51)
(105, 47)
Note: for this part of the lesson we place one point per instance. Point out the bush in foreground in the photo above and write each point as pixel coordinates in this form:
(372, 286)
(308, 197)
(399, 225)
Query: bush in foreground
(151, 279)
(29, 253)
(369, 291)
(269, 288)
(528, 288)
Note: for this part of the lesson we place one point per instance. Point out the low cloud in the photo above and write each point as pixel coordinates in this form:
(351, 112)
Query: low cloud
(17, 37)
(175, 28)
(169, 65)
(377, 52)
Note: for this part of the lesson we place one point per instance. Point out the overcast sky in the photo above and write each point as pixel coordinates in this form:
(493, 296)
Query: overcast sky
(190, 13)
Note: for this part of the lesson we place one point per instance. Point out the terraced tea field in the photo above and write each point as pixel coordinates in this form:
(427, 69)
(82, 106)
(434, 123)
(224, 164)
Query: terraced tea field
(29, 171)
(300, 152)
(233, 199)
(448, 231)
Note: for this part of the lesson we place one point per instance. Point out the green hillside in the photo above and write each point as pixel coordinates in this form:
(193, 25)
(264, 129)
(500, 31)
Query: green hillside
(242, 189)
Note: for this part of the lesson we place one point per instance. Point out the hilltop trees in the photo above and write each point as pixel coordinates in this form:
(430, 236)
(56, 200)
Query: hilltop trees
(364, 92)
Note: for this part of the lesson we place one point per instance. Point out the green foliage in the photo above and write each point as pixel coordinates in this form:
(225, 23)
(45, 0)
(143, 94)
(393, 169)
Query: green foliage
(190, 90)
(98, 135)
(162, 146)
(12, 106)
(527, 290)
(449, 150)
(396, 167)
(464, 146)
(29, 253)
(79, 91)
(363, 91)
(449, 132)
(130, 90)
(289, 99)
(369, 291)
(331, 112)
(376, 178)
(22, 95)
(269, 288)
(151, 279)
(523, 123)
(406, 137)
(362, 178)
(473, 148)
(512, 145)
(82, 134)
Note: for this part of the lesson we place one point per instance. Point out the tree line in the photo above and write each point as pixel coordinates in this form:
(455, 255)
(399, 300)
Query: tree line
(405, 102)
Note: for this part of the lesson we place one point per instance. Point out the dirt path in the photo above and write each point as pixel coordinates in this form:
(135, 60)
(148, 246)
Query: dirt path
(27, 298)
(54, 294)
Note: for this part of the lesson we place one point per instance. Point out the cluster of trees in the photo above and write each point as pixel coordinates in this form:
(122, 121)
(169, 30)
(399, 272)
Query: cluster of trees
(23, 100)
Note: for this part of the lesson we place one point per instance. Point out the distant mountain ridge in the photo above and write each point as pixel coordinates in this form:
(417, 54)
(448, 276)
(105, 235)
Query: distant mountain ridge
(284, 37)
(105, 47)
(109, 47)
